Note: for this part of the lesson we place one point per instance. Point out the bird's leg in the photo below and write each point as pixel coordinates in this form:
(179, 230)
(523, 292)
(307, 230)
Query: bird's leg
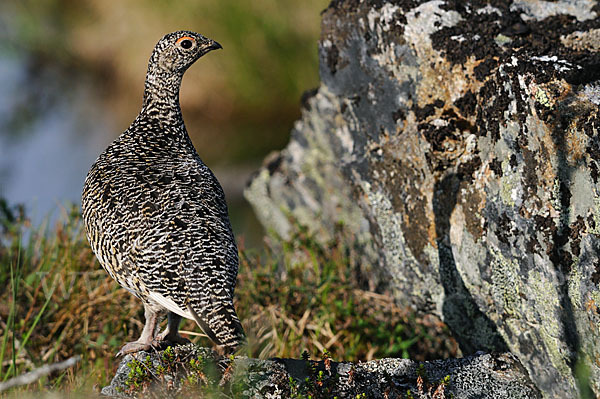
(171, 332)
(144, 343)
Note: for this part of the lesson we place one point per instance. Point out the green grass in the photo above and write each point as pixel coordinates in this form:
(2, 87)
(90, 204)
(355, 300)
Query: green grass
(58, 302)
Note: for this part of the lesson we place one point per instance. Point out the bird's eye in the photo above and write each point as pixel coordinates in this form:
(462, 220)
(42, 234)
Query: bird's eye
(185, 42)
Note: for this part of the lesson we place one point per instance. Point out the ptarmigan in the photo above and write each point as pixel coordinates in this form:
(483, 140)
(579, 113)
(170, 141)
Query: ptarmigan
(156, 216)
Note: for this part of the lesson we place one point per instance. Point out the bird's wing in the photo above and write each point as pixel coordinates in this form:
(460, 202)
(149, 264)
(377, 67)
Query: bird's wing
(186, 255)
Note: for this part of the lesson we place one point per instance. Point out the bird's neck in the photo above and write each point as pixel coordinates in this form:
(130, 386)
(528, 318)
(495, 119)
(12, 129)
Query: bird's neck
(161, 96)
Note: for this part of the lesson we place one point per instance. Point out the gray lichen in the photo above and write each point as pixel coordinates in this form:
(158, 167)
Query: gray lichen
(460, 144)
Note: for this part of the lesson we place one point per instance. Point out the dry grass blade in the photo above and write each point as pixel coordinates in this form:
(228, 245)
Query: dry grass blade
(192, 333)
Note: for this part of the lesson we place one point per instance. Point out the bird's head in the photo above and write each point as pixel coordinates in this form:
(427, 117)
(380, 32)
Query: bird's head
(176, 51)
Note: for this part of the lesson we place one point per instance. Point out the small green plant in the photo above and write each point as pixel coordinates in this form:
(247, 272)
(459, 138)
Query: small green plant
(139, 376)
(427, 390)
(196, 376)
(320, 383)
(168, 357)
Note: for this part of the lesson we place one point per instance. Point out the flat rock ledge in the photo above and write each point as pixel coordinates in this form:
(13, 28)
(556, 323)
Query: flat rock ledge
(191, 370)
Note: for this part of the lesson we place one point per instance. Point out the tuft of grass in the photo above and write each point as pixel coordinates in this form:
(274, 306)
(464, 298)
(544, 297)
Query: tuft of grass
(58, 302)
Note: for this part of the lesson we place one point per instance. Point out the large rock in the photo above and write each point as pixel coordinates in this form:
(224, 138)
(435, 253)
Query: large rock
(190, 371)
(458, 144)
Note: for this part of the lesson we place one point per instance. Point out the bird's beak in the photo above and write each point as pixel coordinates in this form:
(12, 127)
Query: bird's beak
(214, 46)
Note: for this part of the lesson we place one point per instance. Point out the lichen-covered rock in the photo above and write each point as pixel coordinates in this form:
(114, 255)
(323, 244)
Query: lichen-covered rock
(458, 143)
(187, 371)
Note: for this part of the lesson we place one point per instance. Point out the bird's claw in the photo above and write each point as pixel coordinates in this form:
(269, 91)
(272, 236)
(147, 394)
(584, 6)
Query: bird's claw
(132, 347)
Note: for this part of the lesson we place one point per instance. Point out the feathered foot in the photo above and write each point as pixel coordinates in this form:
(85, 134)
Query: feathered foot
(171, 332)
(144, 343)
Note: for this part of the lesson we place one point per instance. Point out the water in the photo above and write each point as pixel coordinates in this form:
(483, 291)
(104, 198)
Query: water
(51, 132)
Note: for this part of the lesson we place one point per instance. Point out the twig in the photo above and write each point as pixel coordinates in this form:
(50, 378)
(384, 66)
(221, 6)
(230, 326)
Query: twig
(38, 373)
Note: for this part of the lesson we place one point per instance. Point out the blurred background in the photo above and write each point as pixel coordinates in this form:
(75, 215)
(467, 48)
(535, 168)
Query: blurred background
(72, 75)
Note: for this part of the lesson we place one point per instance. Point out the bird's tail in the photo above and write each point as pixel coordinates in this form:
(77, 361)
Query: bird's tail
(221, 325)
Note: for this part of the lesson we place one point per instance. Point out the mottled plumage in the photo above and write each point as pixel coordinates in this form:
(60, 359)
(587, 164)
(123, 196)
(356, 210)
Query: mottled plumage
(156, 215)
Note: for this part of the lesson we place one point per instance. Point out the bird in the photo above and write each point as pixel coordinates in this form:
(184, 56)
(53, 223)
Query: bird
(156, 217)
